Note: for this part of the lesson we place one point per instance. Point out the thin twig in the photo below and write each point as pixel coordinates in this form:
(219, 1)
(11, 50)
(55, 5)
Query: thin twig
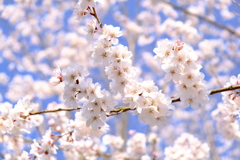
(96, 16)
(119, 110)
(237, 3)
(203, 18)
(54, 110)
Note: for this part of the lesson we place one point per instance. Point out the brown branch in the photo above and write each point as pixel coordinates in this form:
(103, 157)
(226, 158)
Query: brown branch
(54, 110)
(215, 91)
(237, 3)
(105, 156)
(230, 88)
(96, 16)
(120, 110)
(203, 18)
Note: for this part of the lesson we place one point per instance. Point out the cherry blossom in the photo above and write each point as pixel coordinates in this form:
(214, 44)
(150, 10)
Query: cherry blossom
(187, 147)
(228, 112)
(191, 89)
(83, 80)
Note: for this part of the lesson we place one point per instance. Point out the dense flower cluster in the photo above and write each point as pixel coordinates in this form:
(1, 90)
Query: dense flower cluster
(150, 103)
(96, 102)
(180, 64)
(187, 147)
(227, 114)
(84, 149)
(46, 149)
(136, 146)
(16, 120)
(75, 137)
(114, 142)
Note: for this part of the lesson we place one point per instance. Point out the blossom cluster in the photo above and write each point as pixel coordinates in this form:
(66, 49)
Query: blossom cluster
(16, 120)
(180, 64)
(46, 148)
(75, 136)
(96, 102)
(149, 102)
(187, 147)
(136, 146)
(227, 113)
(83, 7)
(85, 149)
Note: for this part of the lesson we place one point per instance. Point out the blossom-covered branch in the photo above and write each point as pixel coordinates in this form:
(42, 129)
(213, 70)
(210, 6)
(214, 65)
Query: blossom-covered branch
(120, 110)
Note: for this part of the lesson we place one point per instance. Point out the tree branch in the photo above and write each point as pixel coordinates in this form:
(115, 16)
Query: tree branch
(236, 2)
(96, 16)
(203, 18)
(215, 91)
(54, 110)
(120, 110)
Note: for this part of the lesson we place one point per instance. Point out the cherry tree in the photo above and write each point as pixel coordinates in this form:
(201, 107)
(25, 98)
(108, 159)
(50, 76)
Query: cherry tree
(120, 80)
